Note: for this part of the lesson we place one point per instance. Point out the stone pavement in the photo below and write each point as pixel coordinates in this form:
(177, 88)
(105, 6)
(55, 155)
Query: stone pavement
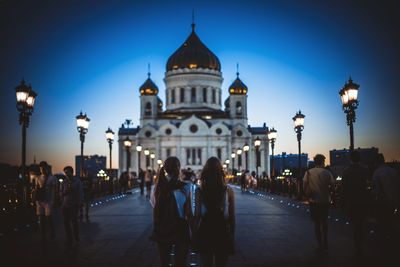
(271, 231)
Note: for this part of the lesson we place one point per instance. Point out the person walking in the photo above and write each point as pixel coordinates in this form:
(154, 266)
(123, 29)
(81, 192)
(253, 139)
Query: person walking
(171, 203)
(141, 181)
(214, 221)
(148, 179)
(45, 196)
(71, 193)
(386, 182)
(243, 180)
(354, 198)
(316, 185)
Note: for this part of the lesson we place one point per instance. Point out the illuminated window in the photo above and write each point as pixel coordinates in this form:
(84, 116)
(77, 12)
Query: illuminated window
(238, 108)
(192, 66)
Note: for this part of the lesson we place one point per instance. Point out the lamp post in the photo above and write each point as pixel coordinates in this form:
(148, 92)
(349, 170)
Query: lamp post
(110, 140)
(82, 121)
(152, 157)
(127, 145)
(298, 128)
(25, 102)
(147, 153)
(348, 95)
(257, 144)
(233, 156)
(272, 134)
(246, 149)
(227, 161)
(239, 152)
(159, 162)
(138, 150)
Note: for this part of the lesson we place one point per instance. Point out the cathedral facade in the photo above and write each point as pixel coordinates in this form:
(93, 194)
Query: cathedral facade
(193, 125)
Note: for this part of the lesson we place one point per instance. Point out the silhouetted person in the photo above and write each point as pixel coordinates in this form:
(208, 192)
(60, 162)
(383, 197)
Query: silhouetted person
(354, 198)
(72, 197)
(141, 181)
(148, 179)
(171, 203)
(386, 182)
(87, 184)
(214, 225)
(317, 182)
(45, 196)
(243, 180)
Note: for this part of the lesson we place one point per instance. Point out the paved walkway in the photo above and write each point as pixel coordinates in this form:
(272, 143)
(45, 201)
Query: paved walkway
(271, 231)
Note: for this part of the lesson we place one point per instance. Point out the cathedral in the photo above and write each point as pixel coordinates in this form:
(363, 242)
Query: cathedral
(193, 125)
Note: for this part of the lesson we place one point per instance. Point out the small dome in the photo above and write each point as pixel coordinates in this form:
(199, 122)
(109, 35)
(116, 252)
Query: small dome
(238, 87)
(148, 87)
(193, 54)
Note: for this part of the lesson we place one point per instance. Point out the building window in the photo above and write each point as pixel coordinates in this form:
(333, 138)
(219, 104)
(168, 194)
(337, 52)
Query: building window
(239, 133)
(168, 131)
(205, 95)
(219, 98)
(218, 131)
(147, 133)
(147, 110)
(193, 128)
(213, 96)
(219, 153)
(199, 156)
(193, 95)
(168, 152)
(188, 156)
(173, 96)
(238, 108)
(182, 95)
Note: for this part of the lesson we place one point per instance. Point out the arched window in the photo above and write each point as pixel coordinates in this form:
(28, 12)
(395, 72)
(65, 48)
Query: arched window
(193, 95)
(182, 95)
(214, 97)
(173, 96)
(147, 110)
(238, 108)
(205, 95)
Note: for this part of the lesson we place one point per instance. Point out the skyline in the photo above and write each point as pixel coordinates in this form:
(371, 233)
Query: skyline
(289, 55)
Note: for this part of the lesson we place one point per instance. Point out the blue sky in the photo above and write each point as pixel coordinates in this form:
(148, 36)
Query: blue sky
(93, 55)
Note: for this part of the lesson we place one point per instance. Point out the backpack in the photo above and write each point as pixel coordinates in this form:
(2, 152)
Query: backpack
(169, 227)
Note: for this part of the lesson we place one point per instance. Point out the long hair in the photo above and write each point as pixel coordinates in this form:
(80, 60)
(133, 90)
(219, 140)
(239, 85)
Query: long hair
(171, 168)
(212, 183)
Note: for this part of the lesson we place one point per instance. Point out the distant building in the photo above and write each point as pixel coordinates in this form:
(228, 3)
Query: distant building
(92, 164)
(340, 159)
(289, 161)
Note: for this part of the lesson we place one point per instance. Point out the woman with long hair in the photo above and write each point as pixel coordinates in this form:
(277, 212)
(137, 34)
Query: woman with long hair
(214, 227)
(171, 213)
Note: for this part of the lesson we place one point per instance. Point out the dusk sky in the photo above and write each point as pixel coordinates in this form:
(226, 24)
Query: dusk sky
(93, 56)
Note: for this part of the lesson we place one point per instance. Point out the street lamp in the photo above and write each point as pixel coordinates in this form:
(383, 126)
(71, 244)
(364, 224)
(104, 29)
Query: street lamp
(82, 122)
(110, 140)
(227, 161)
(233, 156)
(348, 95)
(159, 162)
(127, 145)
(147, 153)
(257, 144)
(272, 134)
(138, 149)
(239, 153)
(298, 128)
(246, 149)
(152, 157)
(25, 102)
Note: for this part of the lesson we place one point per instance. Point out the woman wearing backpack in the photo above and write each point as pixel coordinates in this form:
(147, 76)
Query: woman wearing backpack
(171, 213)
(213, 236)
